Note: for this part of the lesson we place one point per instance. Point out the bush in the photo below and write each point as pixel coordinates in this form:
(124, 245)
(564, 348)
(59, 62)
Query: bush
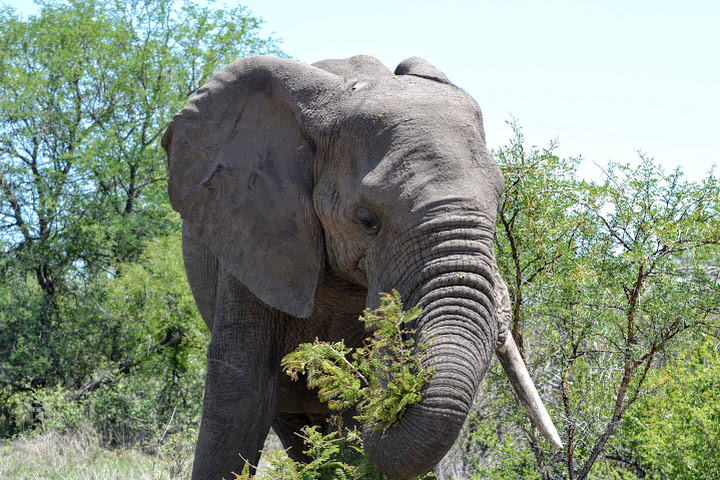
(675, 433)
(380, 380)
(146, 343)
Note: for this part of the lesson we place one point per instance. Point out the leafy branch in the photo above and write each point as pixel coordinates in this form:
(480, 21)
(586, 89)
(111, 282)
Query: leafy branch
(381, 379)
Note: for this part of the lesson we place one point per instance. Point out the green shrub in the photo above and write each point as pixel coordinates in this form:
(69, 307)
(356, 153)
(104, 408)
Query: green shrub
(43, 410)
(380, 380)
(331, 456)
(137, 409)
(675, 432)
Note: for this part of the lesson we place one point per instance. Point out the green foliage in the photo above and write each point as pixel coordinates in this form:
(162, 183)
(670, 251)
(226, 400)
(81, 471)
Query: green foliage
(161, 340)
(86, 90)
(606, 279)
(53, 410)
(676, 433)
(148, 374)
(538, 221)
(152, 307)
(137, 409)
(381, 379)
(333, 456)
(177, 449)
(510, 459)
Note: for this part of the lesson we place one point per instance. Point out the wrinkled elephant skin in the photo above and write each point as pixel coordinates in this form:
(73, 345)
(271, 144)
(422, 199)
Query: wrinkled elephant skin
(306, 191)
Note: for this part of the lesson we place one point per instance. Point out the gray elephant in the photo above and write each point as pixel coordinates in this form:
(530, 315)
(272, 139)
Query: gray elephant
(305, 192)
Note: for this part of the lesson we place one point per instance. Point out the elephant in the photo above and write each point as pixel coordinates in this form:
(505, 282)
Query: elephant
(307, 190)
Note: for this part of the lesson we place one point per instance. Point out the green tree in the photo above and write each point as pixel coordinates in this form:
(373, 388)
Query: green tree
(151, 317)
(86, 89)
(606, 278)
(676, 434)
(536, 223)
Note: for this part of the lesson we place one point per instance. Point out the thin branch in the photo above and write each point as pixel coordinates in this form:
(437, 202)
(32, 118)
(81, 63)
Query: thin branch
(17, 210)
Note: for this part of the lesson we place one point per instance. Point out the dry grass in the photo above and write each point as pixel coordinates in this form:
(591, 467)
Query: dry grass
(79, 456)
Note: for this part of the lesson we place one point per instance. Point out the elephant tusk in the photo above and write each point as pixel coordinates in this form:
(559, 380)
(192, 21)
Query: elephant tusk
(524, 387)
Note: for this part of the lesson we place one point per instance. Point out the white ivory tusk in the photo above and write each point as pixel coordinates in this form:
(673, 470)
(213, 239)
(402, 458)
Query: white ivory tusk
(524, 387)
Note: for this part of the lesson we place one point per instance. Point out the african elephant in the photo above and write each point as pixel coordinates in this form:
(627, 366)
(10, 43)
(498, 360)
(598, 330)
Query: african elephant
(306, 191)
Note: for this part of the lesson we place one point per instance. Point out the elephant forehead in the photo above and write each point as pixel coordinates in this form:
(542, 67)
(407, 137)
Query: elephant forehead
(413, 116)
(423, 175)
(408, 98)
(414, 141)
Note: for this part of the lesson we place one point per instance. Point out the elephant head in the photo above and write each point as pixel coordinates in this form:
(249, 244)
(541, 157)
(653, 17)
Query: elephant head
(286, 170)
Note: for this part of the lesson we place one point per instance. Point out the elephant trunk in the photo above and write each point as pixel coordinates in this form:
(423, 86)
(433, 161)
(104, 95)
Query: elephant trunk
(459, 325)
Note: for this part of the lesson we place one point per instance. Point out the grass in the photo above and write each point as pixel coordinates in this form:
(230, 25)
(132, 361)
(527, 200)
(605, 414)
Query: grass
(80, 456)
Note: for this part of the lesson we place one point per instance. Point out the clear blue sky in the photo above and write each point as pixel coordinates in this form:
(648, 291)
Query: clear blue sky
(606, 78)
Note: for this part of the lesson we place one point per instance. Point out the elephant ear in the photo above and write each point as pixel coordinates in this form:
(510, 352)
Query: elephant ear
(241, 175)
(420, 68)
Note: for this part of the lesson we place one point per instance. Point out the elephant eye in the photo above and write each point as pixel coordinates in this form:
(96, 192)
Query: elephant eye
(367, 220)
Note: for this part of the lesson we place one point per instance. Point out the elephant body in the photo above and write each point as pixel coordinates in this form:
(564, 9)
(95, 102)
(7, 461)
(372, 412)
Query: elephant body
(305, 192)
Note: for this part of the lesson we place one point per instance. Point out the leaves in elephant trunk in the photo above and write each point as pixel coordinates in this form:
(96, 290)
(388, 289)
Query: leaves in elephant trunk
(381, 379)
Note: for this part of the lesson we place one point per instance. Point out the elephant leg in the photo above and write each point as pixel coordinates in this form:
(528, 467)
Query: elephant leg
(241, 391)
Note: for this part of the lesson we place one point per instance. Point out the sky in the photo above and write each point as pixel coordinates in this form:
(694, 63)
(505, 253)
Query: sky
(606, 79)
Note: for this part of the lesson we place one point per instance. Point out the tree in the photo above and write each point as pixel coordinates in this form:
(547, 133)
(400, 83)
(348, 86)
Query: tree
(607, 279)
(86, 93)
(538, 227)
(645, 287)
(86, 89)
(677, 433)
(153, 371)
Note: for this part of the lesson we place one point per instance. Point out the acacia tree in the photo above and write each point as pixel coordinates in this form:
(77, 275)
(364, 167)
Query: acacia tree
(607, 279)
(638, 284)
(538, 227)
(86, 89)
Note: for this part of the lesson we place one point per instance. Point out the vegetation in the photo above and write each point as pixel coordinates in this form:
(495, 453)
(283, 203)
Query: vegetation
(675, 433)
(614, 283)
(379, 381)
(609, 281)
(96, 319)
(81, 456)
(333, 456)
